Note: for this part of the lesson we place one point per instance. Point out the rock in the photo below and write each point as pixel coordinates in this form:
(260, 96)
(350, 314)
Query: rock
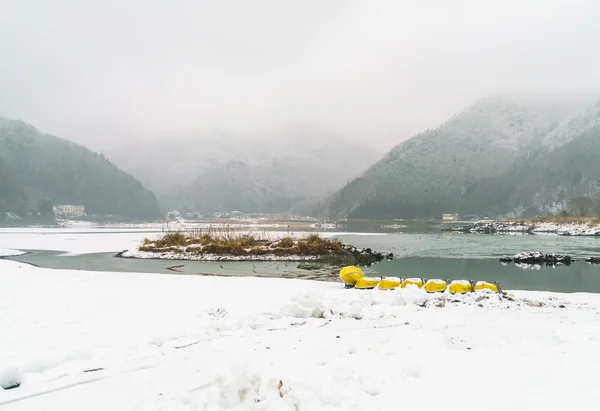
(593, 260)
(529, 257)
(367, 256)
(538, 258)
(554, 259)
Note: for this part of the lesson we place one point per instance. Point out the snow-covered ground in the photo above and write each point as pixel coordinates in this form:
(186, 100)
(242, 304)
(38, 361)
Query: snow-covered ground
(7, 253)
(71, 241)
(185, 255)
(573, 229)
(77, 340)
(576, 229)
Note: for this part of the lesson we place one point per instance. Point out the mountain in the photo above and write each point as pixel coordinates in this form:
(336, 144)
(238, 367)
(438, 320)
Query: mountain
(564, 166)
(290, 171)
(502, 155)
(37, 169)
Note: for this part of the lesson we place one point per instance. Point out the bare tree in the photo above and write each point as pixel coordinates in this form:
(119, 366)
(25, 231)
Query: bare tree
(583, 205)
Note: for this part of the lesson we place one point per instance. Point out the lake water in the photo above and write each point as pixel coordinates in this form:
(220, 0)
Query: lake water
(424, 252)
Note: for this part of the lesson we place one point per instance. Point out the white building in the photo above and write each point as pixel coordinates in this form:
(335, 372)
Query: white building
(69, 210)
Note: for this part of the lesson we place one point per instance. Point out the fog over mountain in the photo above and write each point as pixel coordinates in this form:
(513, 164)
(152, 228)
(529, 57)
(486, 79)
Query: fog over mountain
(374, 72)
(229, 173)
(271, 105)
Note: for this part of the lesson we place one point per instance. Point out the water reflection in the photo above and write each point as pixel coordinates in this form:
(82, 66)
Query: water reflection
(578, 277)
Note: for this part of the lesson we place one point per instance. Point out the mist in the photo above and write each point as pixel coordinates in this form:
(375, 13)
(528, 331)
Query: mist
(376, 72)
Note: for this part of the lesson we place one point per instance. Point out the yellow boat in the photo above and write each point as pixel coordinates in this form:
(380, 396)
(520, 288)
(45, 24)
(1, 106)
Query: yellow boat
(435, 286)
(460, 287)
(366, 283)
(351, 274)
(389, 283)
(483, 285)
(412, 281)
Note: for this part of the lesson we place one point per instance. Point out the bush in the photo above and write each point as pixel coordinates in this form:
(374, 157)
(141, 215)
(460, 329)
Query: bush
(172, 240)
(233, 243)
(286, 242)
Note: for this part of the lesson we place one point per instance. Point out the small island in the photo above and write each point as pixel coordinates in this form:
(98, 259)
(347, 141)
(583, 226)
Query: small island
(243, 246)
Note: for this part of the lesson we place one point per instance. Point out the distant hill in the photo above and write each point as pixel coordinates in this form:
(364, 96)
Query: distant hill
(500, 156)
(37, 169)
(564, 165)
(260, 174)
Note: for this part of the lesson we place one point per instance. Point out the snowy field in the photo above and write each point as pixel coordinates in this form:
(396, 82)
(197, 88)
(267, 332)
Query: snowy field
(8, 253)
(71, 241)
(77, 340)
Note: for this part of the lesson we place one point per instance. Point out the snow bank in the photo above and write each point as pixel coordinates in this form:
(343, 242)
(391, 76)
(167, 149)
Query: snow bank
(121, 341)
(572, 229)
(8, 253)
(10, 377)
(211, 257)
(529, 255)
(71, 241)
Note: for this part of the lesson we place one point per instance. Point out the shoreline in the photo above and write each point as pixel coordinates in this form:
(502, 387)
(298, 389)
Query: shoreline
(145, 255)
(575, 229)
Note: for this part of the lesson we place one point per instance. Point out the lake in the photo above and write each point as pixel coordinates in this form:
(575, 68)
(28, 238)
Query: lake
(421, 251)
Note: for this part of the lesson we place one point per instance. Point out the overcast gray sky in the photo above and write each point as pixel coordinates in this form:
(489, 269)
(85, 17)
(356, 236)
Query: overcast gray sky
(379, 70)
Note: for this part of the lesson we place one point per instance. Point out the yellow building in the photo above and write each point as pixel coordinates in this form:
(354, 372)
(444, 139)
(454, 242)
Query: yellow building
(450, 217)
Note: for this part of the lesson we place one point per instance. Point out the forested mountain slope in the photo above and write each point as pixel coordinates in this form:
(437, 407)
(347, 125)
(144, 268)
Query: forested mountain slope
(498, 156)
(36, 168)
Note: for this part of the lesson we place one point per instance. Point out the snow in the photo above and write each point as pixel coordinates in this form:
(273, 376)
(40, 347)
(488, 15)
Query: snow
(573, 229)
(8, 253)
(79, 340)
(460, 282)
(184, 255)
(71, 241)
(99, 240)
(572, 127)
(529, 255)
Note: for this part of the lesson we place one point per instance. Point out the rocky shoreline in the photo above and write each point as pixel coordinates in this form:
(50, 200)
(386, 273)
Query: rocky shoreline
(349, 256)
(568, 229)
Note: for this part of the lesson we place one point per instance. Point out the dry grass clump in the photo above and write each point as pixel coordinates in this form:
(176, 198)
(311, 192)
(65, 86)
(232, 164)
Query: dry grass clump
(316, 245)
(232, 243)
(176, 239)
(286, 242)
